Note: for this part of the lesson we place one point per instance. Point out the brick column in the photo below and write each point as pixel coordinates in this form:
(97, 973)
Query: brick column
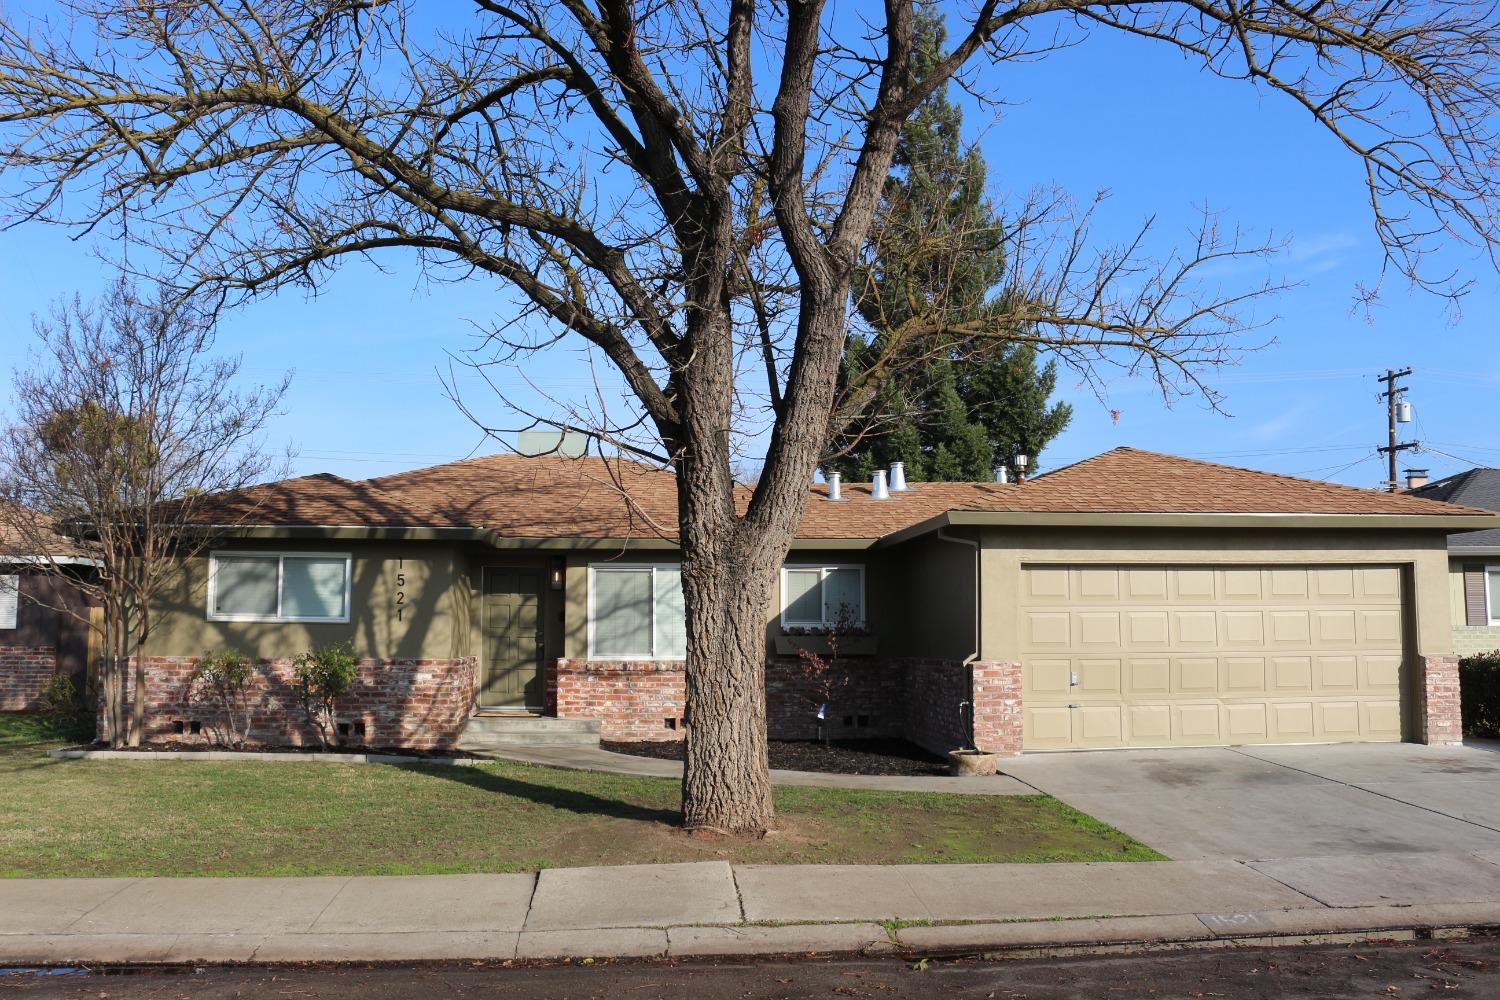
(997, 707)
(1442, 721)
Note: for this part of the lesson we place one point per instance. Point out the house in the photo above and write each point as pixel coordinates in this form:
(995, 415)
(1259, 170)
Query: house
(1132, 599)
(43, 620)
(1473, 558)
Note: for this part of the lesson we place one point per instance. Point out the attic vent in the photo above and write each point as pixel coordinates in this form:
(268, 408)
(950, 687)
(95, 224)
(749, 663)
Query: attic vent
(835, 486)
(877, 486)
(898, 477)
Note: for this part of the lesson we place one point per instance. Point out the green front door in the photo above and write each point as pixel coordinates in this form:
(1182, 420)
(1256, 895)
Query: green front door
(512, 623)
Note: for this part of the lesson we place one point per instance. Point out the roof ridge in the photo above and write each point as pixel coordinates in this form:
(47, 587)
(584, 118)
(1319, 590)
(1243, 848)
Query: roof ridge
(509, 456)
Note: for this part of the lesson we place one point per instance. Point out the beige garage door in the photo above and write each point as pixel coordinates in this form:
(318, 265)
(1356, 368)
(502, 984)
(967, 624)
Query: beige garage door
(1118, 656)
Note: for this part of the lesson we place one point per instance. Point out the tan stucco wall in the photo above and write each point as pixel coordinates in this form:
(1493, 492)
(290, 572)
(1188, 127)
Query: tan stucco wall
(1006, 551)
(433, 623)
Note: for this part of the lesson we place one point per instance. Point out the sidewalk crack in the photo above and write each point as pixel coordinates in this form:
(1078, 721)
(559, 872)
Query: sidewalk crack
(1300, 892)
(536, 885)
(331, 899)
(106, 899)
(739, 893)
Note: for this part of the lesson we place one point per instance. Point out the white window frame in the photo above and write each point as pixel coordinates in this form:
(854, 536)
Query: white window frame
(281, 557)
(825, 569)
(1488, 612)
(594, 570)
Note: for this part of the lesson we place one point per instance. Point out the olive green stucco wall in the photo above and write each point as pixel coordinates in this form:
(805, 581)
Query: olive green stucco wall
(433, 620)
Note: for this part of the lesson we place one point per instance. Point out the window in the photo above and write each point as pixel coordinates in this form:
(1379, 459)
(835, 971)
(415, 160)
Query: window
(1492, 592)
(10, 599)
(636, 613)
(816, 596)
(278, 587)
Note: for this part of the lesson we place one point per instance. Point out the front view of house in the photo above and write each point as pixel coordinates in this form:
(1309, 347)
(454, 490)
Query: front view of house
(1130, 600)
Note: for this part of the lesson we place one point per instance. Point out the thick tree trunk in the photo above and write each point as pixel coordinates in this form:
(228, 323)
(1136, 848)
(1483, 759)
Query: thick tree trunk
(726, 784)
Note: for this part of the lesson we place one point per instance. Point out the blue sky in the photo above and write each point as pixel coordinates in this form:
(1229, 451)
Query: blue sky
(1113, 113)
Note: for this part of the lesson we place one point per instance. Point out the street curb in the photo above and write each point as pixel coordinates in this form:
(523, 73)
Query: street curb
(1045, 938)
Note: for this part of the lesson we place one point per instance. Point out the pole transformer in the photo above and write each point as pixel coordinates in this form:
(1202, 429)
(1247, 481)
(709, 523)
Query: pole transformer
(1392, 396)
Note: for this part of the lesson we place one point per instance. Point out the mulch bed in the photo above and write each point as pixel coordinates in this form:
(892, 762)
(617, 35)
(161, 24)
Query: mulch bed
(175, 746)
(884, 757)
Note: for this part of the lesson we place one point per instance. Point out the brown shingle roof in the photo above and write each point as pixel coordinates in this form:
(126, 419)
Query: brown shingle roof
(558, 497)
(24, 535)
(322, 499)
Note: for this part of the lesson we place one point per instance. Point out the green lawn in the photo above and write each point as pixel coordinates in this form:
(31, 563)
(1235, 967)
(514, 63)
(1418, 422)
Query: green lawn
(72, 818)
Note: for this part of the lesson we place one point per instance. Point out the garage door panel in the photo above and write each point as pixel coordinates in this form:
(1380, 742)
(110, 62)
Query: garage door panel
(1096, 629)
(1291, 673)
(1098, 677)
(1048, 629)
(1383, 671)
(1291, 721)
(1197, 723)
(1049, 677)
(1196, 675)
(1148, 676)
(1382, 720)
(1191, 655)
(1149, 725)
(1048, 727)
(1195, 628)
(1246, 723)
(1148, 628)
(1379, 628)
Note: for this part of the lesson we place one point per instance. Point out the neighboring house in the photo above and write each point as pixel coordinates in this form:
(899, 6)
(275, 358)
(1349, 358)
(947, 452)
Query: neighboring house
(1473, 561)
(43, 616)
(1133, 599)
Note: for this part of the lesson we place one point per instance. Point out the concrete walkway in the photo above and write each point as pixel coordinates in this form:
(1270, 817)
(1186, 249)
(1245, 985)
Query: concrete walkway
(597, 759)
(713, 908)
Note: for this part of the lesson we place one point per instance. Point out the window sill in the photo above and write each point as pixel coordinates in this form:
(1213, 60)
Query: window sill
(851, 645)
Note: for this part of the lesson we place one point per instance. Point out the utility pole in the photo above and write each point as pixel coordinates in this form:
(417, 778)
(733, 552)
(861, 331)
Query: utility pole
(1392, 397)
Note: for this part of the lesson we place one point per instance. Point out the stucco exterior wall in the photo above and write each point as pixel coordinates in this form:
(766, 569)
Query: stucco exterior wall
(1468, 639)
(405, 603)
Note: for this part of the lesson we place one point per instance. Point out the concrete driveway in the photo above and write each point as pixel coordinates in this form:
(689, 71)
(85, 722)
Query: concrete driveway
(1263, 803)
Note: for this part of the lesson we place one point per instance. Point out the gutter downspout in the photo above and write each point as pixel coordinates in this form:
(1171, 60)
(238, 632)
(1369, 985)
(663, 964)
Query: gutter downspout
(968, 661)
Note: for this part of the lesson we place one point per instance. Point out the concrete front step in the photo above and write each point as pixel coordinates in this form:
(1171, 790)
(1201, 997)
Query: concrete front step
(493, 731)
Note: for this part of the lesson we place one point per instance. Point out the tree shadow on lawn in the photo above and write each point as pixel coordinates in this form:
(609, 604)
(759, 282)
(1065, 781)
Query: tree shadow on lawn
(583, 803)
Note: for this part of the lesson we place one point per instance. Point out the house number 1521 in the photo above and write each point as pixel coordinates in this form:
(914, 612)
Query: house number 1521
(400, 589)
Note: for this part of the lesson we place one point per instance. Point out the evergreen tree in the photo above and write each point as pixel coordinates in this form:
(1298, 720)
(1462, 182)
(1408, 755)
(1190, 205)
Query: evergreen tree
(968, 406)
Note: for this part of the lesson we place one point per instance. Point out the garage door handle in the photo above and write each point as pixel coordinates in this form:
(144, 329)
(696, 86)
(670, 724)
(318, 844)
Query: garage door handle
(1075, 705)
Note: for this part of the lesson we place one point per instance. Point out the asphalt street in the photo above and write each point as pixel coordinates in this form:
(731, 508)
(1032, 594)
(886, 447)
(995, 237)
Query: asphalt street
(1454, 969)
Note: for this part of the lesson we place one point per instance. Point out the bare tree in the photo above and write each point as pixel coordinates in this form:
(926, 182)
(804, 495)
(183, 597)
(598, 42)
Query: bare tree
(123, 425)
(687, 188)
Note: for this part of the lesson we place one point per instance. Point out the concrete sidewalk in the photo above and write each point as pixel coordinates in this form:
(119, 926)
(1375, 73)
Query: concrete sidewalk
(713, 908)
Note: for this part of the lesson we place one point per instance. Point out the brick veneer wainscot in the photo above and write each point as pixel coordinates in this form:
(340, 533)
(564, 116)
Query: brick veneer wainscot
(1441, 711)
(915, 699)
(417, 704)
(25, 675)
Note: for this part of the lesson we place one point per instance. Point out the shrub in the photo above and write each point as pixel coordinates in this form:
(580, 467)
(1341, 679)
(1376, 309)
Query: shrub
(223, 678)
(1479, 686)
(68, 714)
(324, 675)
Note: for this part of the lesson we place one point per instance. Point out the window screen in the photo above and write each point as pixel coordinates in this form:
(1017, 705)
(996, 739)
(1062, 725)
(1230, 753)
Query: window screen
(622, 612)
(671, 615)
(1494, 595)
(245, 585)
(804, 597)
(312, 587)
(816, 595)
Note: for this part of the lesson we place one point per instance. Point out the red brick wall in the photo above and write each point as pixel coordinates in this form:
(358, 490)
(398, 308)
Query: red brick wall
(915, 699)
(420, 704)
(1441, 715)
(25, 674)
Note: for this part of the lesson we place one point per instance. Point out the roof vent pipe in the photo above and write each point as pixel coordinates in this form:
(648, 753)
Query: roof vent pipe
(1021, 463)
(898, 477)
(1002, 474)
(877, 486)
(835, 486)
(1416, 478)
